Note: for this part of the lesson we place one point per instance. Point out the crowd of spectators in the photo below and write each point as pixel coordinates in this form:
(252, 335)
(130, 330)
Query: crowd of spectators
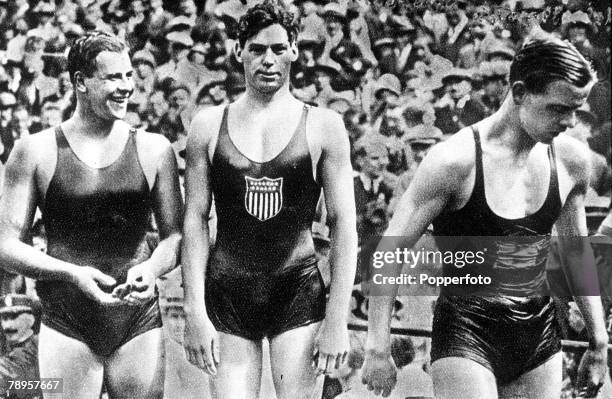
(404, 75)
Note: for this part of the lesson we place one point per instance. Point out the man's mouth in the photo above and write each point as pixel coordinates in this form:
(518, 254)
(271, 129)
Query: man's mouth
(119, 100)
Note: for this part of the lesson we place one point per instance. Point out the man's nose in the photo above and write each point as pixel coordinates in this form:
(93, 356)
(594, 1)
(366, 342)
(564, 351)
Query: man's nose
(268, 57)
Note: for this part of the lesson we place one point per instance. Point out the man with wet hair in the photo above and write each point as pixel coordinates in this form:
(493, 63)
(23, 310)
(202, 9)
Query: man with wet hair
(97, 182)
(503, 340)
(266, 157)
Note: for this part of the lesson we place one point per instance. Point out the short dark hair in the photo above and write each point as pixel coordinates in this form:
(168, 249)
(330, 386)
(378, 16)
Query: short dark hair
(263, 15)
(83, 53)
(544, 60)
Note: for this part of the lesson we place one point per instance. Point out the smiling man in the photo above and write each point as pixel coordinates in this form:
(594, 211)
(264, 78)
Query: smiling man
(511, 174)
(97, 182)
(266, 158)
(19, 362)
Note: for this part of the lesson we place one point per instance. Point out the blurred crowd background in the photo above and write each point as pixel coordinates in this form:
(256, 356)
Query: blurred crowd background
(404, 75)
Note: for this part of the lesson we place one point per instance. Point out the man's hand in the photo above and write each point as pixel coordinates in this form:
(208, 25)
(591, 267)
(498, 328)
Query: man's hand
(139, 286)
(331, 347)
(201, 343)
(379, 372)
(592, 372)
(89, 280)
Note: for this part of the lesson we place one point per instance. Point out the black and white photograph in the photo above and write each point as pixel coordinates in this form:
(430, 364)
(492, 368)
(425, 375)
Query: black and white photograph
(305, 199)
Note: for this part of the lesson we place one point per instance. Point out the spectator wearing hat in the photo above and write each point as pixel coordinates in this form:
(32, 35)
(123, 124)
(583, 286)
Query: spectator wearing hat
(144, 78)
(456, 36)
(19, 362)
(499, 52)
(336, 27)
(372, 187)
(494, 77)
(179, 43)
(386, 54)
(15, 48)
(577, 28)
(202, 64)
(34, 85)
(157, 108)
(157, 18)
(323, 75)
(45, 28)
(387, 92)
(353, 66)
(457, 109)
(419, 139)
(311, 48)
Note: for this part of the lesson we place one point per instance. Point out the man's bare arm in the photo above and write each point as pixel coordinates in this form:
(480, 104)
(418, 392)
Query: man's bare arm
(201, 345)
(17, 206)
(581, 273)
(435, 181)
(336, 179)
(168, 207)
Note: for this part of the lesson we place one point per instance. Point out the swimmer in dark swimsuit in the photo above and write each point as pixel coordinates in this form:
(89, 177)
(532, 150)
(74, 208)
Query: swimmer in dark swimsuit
(98, 183)
(266, 158)
(510, 175)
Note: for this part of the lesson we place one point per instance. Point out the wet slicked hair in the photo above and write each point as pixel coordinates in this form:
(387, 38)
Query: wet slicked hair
(83, 53)
(263, 15)
(544, 60)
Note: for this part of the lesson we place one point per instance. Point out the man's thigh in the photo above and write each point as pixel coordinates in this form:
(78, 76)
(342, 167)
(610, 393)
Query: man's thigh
(543, 382)
(457, 377)
(137, 368)
(60, 356)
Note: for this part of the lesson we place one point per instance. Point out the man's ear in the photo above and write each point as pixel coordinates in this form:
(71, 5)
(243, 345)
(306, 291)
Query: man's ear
(238, 51)
(79, 82)
(519, 92)
(294, 50)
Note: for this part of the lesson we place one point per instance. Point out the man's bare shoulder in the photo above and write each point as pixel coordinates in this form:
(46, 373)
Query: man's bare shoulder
(206, 122)
(326, 126)
(456, 155)
(36, 147)
(574, 156)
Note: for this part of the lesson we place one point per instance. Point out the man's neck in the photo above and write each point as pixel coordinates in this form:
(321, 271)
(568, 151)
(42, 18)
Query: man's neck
(90, 125)
(505, 127)
(254, 99)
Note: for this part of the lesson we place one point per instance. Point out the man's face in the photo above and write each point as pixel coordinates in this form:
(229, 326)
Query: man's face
(375, 163)
(21, 123)
(179, 99)
(17, 326)
(158, 104)
(544, 116)
(458, 89)
(495, 88)
(7, 103)
(267, 59)
(111, 85)
(143, 70)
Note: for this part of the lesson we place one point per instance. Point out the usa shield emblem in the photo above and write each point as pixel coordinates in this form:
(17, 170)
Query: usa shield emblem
(263, 198)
